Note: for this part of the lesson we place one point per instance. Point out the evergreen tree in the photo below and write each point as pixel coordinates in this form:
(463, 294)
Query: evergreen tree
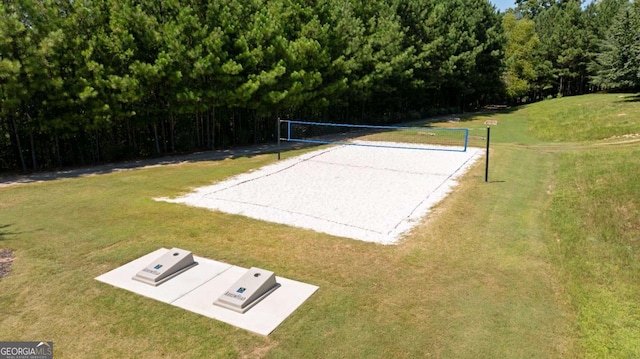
(618, 63)
(13, 90)
(565, 44)
(102, 80)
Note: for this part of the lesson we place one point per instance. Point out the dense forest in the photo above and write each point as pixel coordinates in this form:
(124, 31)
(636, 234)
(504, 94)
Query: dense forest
(90, 81)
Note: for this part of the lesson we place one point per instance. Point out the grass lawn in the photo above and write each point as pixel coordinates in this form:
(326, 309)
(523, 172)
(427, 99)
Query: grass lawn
(541, 262)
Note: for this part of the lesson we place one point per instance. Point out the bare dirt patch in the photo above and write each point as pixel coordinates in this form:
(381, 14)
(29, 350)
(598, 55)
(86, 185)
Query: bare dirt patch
(6, 260)
(628, 135)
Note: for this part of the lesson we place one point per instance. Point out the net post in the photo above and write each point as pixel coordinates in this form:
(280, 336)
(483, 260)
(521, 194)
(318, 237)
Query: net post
(486, 162)
(466, 139)
(278, 135)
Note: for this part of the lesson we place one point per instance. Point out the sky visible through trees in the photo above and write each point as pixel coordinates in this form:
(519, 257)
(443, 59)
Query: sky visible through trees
(503, 5)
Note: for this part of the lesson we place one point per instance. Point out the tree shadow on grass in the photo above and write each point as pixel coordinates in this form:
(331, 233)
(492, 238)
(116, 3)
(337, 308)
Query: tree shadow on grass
(4, 232)
(213, 155)
(246, 151)
(631, 98)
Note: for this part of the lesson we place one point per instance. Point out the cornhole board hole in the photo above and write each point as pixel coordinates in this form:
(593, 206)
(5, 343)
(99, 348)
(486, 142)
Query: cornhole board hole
(248, 291)
(166, 266)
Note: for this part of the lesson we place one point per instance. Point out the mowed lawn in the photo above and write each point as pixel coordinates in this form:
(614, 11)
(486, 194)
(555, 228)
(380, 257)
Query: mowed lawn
(540, 262)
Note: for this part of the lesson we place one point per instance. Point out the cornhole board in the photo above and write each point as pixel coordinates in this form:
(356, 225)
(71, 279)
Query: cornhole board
(254, 285)
(170, 291)
(196, 289)
(166, 267)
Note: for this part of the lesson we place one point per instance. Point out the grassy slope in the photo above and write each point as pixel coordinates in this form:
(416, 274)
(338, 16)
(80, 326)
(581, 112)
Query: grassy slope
(596, 220)
(497, 271)
(594, 214)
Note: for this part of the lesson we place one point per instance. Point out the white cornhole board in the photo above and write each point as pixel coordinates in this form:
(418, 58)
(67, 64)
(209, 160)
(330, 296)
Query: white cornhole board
(166, 267)
(171, 290)
(255, 285)
(263, 318)
(197, 288)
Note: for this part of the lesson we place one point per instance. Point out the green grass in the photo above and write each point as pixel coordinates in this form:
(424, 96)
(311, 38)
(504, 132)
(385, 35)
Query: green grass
(585, 118)
(541, 262)
(595, 214)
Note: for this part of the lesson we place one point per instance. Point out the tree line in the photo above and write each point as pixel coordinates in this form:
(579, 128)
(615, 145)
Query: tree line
(567, 47)
(88, 81)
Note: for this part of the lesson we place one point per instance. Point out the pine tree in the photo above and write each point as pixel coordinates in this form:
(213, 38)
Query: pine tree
(618, 63)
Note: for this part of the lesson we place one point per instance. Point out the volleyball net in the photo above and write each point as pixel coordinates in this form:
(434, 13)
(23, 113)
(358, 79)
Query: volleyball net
(423, 138)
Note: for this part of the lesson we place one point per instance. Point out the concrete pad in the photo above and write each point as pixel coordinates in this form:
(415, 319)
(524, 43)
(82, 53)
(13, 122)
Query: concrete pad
(169, 291)
(197, 288)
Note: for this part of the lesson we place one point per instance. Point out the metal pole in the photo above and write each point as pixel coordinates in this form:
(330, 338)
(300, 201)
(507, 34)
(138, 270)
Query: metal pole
(278, 135)
(486, 162)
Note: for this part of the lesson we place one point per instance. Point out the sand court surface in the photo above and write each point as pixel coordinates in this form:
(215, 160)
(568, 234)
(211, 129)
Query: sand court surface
(374, 194)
